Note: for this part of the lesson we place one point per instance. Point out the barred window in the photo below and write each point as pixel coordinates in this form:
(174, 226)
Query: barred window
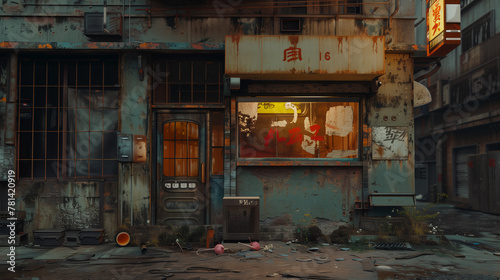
(67, 118)
(188, 82)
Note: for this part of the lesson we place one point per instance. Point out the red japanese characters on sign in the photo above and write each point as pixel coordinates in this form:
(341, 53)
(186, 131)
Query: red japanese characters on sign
(436, 12)
(292, 54)
(443, 26)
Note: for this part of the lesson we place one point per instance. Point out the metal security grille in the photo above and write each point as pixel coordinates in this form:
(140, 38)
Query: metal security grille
(461, 176)
(189, 82)
(67, 118)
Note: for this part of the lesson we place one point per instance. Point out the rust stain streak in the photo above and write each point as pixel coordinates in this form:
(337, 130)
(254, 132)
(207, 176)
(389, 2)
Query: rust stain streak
(375, 44)
(294, 40)
(44, 46)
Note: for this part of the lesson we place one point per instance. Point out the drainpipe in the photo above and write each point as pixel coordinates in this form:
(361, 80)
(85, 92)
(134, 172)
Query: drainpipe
(432, 72)
(396, 10)
(422, 13)
(10, 122)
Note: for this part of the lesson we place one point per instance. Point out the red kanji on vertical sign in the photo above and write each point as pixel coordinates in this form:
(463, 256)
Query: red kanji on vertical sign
(292, 54)
(491, 162)
(437, 18)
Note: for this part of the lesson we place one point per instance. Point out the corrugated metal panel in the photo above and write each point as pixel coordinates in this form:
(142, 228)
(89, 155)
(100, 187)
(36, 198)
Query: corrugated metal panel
(477, 176)
(305, 57)
(461, 169)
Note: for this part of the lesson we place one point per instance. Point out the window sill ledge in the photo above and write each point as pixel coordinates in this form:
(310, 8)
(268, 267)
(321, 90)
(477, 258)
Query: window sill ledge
(299, 162)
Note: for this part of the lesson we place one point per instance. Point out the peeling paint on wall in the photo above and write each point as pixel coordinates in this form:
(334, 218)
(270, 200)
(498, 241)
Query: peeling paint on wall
(279, 123)
(339, 121)
(309, 145)
(247, 115)
(341, 153)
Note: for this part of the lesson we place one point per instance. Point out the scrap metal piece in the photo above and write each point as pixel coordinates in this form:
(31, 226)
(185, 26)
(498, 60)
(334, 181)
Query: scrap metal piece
(393, 246)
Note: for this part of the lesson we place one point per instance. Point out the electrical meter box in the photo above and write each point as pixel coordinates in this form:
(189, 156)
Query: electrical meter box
(241, 217)
(131, 148)
(124, 146)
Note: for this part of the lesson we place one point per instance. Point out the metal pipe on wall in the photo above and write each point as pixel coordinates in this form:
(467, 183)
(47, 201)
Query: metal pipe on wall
(10, 122)
(396, 10)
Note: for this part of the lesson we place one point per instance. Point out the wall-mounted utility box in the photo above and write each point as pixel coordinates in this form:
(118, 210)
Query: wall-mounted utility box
(241, 217)
(139, 153)
(131, 148)
(124, 145)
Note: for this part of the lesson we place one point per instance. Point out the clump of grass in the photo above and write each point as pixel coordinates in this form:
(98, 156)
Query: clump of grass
(342, 234)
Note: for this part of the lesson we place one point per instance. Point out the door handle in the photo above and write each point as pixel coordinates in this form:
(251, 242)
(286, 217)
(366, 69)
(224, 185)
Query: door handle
(203, 173)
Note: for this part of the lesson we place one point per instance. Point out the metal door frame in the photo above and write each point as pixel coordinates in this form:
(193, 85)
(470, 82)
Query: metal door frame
(155, 164)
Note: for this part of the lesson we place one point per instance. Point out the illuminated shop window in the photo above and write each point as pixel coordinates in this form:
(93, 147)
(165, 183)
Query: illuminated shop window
(326, 130)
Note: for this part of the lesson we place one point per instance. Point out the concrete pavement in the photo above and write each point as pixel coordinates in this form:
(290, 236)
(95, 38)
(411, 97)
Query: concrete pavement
(470, 254)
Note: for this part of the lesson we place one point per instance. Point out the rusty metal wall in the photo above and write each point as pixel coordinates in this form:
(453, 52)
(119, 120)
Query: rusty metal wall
(304, 193)
(68, 205)
(391, 112)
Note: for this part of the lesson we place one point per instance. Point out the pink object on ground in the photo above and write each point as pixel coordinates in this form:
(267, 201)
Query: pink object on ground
(219, 249)
(255, 246)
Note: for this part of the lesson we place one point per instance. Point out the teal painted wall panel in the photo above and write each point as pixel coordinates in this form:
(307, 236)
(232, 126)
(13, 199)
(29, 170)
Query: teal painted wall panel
(134, 177)
(391, 176)
(305, 193)
(216, 197)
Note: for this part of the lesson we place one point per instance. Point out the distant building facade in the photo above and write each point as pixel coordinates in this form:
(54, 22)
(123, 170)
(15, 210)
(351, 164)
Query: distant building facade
(462, 119)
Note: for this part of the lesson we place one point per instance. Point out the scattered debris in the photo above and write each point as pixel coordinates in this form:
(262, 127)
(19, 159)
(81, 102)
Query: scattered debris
(254, 245)
(345, 249)
(322, 260)
(303, 259)
(385, 268)
(218, 249)
(313, 249)
(33, 268)
(250, 254)
(393, 246)
(325, 244)
(177, 241)
(367, 265)
(273, 275)
(81, 257)
(356, 259)
(307, 276)
(268, 248)
(340, 259)
(414, 255)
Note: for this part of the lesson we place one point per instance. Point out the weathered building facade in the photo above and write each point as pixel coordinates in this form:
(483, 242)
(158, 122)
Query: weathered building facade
(462, 119)
(150, 113)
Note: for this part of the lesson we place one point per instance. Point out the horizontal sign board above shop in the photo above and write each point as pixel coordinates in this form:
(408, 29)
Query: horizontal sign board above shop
(347, 58)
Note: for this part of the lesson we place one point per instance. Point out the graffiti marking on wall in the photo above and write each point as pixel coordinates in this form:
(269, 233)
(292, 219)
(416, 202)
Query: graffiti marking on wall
(390, 142)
